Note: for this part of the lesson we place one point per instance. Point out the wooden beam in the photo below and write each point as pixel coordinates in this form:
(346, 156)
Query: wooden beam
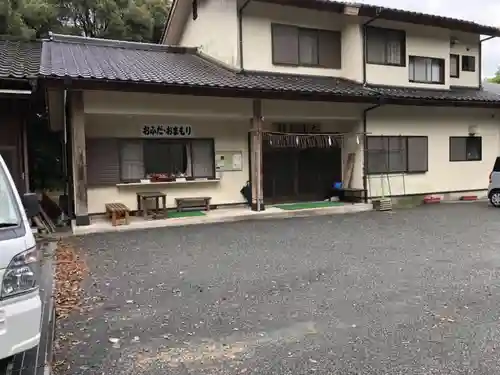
(79, 159)
(256, 155)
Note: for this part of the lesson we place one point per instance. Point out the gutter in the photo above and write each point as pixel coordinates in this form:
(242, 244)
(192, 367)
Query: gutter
(31, 81)
(240, 32)
(365, 44)
(480, 53)
(167, 23)
(365, 142)
(15, 92)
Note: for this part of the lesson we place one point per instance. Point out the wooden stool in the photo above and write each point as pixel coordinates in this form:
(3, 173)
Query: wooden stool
(118, 213)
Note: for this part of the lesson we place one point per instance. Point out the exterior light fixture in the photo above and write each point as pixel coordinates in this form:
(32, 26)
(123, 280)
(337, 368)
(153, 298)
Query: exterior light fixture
(352, 9)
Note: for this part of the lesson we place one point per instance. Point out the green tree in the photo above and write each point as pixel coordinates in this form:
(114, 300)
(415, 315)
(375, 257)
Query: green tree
(496, 78)
(137, 20)
(28, 18)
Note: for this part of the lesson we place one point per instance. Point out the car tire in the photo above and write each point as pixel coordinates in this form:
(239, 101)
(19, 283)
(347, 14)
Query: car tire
(494, 198)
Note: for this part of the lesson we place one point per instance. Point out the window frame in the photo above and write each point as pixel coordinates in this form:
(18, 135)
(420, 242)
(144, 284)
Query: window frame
(441, 62)
(464, 64)
(317, 32)
(405, 170)
(184, 140)
(466, 158)
(381, 31)
(457, 57)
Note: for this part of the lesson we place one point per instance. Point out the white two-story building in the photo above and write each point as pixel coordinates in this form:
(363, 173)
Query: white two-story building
(290, 95)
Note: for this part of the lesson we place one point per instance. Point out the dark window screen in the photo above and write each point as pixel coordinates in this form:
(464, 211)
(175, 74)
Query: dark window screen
(165, 157)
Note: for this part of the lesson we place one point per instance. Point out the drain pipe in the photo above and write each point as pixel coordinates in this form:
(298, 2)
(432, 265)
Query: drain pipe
(480, 53)
(240, 32)
(365, 44)
(365, 142)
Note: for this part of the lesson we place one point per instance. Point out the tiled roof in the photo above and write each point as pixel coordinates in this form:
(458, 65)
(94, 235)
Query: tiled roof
(113, 61)
(97, 59)
(19, 59)
(393, 14)
(454, 94)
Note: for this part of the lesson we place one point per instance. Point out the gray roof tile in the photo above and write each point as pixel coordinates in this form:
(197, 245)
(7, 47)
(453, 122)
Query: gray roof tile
(394, 14)
(455, 94)
(98, 59)
(19, 59)
(84, 58)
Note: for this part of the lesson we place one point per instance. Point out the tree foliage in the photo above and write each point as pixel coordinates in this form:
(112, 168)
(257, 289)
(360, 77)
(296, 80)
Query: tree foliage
(496, 78)
(137, 20)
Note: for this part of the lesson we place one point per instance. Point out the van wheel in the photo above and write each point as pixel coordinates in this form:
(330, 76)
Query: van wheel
(495, 197)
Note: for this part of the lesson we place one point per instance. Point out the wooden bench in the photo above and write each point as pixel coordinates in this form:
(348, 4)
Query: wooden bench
(193, 202)
(118, 213)
(354, 195)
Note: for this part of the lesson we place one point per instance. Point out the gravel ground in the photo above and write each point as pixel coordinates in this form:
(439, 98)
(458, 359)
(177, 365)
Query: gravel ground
(409, 292)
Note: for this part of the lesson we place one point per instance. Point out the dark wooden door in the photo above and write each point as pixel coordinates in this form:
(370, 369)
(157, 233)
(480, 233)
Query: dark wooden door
(279, 169)
(292, 175)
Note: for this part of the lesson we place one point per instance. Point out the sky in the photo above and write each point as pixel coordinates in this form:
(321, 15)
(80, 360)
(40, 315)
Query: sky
(485, 12)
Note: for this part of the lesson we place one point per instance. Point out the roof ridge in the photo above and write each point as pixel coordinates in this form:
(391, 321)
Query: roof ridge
(114, 43)
(381, 8)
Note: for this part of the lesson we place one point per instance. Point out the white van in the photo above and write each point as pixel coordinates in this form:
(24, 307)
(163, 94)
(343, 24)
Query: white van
(20, 303)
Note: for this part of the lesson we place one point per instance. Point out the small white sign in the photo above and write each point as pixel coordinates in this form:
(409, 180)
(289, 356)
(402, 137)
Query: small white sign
(237, 162)
(166, 131)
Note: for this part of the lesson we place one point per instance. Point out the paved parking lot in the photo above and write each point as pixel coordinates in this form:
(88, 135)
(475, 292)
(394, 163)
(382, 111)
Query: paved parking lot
(412, 292)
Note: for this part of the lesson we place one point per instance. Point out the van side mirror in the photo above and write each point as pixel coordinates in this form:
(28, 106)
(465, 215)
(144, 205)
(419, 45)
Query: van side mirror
(31, 205)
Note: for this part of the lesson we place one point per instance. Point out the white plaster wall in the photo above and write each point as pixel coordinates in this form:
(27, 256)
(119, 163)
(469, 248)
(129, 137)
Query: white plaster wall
(215, 31)
(229, 135)
(438, 124)
(426, 41)
(257, 41)
(467, 44)
(135, 103)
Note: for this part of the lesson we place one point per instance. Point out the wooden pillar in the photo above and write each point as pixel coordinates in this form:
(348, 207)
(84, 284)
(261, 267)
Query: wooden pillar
(256, 157)
(78, 159)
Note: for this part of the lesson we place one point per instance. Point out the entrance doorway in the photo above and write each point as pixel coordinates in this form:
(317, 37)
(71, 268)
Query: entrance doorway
(294, 175)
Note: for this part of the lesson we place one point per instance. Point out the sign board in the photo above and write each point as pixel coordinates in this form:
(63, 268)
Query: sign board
(228, 161)
(166, 131)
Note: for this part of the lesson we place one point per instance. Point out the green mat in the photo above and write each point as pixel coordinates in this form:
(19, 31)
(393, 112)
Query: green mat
(306, 205)
(176, 214)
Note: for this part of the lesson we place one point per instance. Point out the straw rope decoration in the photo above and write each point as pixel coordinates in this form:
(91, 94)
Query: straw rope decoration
(300, 140)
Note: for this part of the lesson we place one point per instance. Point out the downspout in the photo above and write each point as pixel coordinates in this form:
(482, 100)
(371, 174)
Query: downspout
(365, 142)
(240, 32)
(480, 53)
(365, 44)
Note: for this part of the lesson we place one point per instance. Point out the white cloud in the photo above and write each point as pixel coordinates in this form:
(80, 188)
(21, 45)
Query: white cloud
(487, 13)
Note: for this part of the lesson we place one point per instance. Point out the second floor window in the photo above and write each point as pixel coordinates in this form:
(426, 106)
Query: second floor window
(454, 66)
(306, 47)
(426, 70)
(468, 63)
(385, 46)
